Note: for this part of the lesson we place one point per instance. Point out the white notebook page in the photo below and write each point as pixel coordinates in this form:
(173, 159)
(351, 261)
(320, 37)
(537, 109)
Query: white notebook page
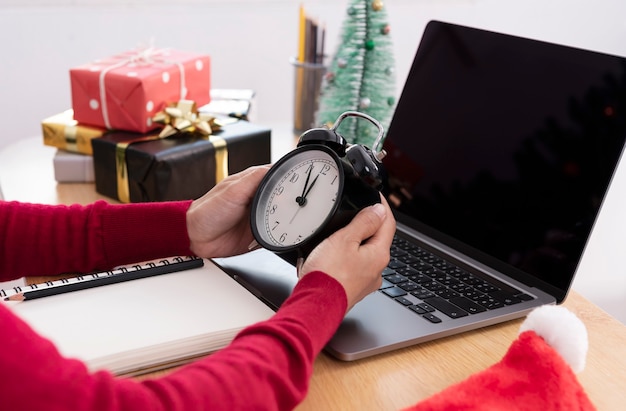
(146, 323)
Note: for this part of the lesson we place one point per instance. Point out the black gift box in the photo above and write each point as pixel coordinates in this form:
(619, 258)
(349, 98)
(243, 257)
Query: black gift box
(180, 167)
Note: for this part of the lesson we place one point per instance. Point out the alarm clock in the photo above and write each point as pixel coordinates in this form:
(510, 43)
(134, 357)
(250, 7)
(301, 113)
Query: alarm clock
(315, 190)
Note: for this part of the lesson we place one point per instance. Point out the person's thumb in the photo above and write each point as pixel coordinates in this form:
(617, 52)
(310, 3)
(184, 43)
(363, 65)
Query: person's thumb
(364, 224)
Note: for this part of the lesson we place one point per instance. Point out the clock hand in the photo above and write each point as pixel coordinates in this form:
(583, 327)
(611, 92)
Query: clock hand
(301, 199)
(295, 214)
(310, 187)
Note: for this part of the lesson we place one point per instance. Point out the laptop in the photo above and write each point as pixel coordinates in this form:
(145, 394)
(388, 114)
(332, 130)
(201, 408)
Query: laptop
(501, 150)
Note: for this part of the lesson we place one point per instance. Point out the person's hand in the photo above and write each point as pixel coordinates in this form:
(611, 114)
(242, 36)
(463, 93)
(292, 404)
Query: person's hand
(218, 223)
(357, 254)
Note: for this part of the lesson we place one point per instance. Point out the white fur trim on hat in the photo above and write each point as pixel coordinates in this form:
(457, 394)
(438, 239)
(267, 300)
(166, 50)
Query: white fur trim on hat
(562, 330)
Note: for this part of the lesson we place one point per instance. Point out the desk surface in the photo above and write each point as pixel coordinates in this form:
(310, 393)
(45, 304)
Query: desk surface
(384, 382)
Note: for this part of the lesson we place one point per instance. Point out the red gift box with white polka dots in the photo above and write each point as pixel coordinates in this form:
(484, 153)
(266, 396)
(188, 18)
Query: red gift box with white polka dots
(125, 91)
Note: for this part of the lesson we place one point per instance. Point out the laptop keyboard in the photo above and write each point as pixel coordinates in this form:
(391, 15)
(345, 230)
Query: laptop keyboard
(433, 287)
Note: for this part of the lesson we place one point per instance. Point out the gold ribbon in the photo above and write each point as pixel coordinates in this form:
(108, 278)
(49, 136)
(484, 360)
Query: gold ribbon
(123, 189)
(180, 118)
(62, 131)
(71, 144)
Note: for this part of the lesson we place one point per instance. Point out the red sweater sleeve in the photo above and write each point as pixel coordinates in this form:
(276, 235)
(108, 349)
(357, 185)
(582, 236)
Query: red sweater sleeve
(267, 366)
(47, 240)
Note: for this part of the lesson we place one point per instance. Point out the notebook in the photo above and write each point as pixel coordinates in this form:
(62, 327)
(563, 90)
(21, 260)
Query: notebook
(500, 152)
(139, 326)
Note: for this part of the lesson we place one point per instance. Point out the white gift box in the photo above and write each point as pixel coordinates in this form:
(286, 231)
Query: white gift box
(73, 167)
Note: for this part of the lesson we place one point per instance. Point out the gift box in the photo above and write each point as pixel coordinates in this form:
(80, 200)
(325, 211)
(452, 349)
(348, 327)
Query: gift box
(234, 103)
(64, 132)
(135, 167)
(123, 92)
(73, 167)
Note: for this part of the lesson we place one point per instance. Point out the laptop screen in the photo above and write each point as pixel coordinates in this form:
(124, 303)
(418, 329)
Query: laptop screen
(504, 147)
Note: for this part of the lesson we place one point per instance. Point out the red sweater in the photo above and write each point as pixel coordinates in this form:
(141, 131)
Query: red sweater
(267, 366)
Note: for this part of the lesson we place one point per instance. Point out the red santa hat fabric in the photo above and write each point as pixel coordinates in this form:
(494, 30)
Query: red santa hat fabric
(536, 373)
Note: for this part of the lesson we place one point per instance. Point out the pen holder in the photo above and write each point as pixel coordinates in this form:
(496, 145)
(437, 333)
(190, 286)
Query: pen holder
(307, 86)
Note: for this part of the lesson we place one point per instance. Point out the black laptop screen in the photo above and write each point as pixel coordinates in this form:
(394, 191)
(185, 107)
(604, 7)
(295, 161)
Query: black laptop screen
(506, 146)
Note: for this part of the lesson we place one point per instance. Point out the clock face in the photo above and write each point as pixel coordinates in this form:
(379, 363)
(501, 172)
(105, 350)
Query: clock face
(296, 197)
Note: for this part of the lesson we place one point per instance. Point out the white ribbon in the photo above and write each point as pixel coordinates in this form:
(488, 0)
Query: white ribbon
(145, 57)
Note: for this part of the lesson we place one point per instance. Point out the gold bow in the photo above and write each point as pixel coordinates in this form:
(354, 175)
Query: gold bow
(183, 117)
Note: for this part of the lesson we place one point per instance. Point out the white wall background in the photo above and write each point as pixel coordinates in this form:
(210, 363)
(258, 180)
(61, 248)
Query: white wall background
(251, 41)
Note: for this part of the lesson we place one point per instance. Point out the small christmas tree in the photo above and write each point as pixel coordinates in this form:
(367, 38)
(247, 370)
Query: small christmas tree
(361, 76)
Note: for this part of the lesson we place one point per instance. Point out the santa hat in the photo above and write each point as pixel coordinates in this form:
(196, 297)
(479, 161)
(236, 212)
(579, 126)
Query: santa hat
(536, 373)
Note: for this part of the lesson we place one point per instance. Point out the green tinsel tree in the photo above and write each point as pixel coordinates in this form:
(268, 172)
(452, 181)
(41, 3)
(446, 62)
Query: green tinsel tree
(361, 76)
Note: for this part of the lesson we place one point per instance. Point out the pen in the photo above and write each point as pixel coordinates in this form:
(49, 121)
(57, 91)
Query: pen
(311, 39)
(301, 35)
(127, 273)
(320, 50)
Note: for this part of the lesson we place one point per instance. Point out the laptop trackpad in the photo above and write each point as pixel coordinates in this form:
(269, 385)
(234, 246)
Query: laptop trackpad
(373, 322)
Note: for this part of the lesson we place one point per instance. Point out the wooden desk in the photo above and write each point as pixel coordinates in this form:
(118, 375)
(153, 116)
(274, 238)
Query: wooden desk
(384, 382)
